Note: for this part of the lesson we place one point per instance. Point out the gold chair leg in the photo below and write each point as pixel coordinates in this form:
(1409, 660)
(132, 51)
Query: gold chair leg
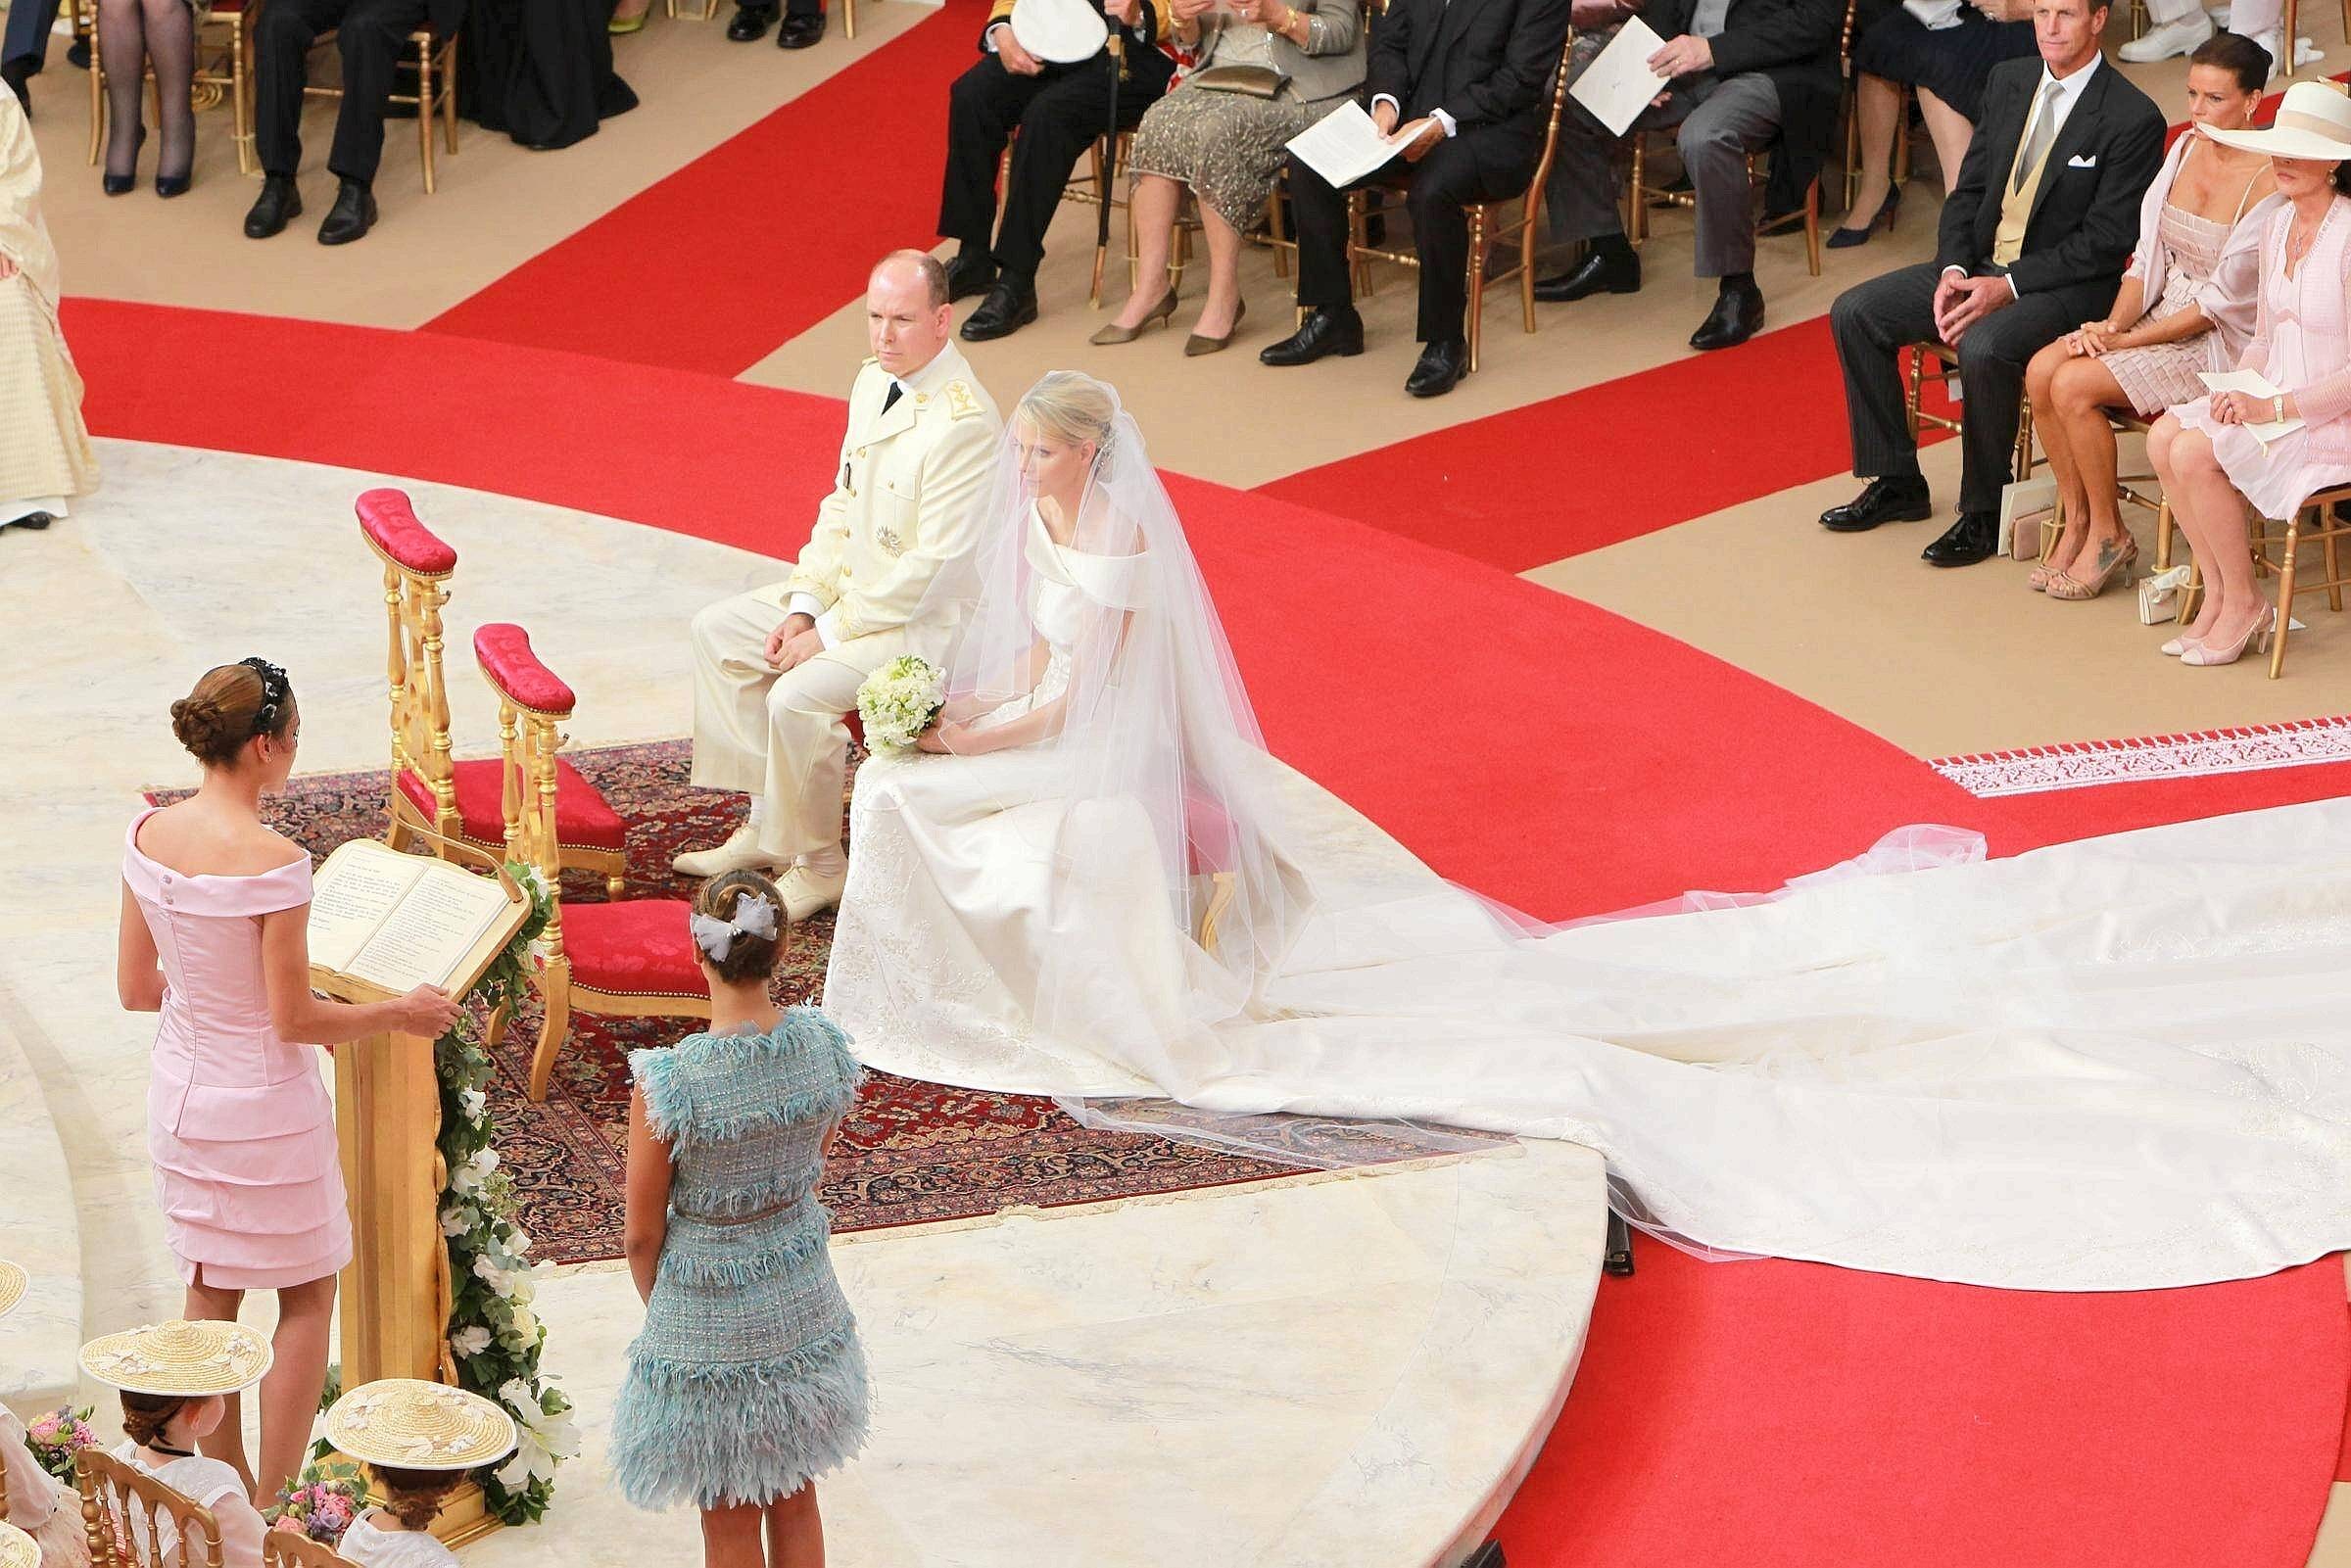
(1101, 250)
(1526, 266)
(2334, 567)
(424, 111)
(1812, 225)
(1477, 279)
(448, 98)
(1636, 196)
(2286, 568)
(1853, 141)
(556, 986)
(2286, 67)
(1273, 224)
(2163, 535)
(849, 19)
(97, 92)
(496, 1030)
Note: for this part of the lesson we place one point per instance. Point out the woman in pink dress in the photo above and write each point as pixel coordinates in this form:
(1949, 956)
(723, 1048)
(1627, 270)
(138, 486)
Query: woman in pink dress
(2212, 464)
(239, 1126)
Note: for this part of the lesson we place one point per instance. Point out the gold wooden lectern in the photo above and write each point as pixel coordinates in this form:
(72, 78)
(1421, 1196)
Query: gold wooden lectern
(396, 1294)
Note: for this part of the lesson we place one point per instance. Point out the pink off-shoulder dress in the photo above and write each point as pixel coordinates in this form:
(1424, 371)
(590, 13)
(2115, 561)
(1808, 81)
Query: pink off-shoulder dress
(240, 1128)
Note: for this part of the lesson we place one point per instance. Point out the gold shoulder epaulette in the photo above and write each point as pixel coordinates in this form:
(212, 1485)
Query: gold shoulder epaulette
(960, 401)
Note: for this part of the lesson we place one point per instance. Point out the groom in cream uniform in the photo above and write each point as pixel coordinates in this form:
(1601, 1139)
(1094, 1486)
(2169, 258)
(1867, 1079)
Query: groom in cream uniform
(776, 669)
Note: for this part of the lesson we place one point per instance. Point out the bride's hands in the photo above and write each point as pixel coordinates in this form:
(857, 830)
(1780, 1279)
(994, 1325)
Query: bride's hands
(947, 739)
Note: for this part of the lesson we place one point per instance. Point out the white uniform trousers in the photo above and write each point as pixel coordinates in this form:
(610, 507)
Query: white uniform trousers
(778, 736)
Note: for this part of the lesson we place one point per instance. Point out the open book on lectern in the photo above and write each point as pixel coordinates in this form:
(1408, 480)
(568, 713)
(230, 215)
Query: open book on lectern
(393, 921)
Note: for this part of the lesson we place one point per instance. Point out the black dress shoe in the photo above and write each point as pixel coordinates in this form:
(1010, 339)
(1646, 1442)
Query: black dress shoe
(1442, 365)
(750, 23)
(1737, 317)
(1601, 272)
(1010, 306)
(16, 74)
(35, 521)
(1326, 330)
(78, 53)
(1895, 499)
(800, 31)
(970, 274)
(351, 216)
(1975, 537)
(279, 203)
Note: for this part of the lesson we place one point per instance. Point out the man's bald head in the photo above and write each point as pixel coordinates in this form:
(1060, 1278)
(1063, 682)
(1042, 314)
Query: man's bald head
(908, 317)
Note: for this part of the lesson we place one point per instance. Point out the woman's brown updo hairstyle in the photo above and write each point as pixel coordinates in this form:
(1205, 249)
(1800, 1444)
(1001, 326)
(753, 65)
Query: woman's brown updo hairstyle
(748, 957)
(231, 705)
(414, 1496)
(145, 1415)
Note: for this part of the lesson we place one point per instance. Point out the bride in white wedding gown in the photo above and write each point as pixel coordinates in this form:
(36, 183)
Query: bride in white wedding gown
(2119, 1063)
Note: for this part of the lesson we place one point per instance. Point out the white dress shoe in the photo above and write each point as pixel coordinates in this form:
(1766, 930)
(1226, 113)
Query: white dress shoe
(2172, 38)
(740, 852)
(807, 893)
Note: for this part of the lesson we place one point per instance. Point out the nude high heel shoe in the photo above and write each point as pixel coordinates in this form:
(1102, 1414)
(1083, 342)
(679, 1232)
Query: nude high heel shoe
(2258, 634)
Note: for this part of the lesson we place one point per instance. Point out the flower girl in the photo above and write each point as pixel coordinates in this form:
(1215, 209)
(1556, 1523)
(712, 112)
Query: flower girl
(420, 1439)
(30, 1499)
(174, 1379)
(749, 1380)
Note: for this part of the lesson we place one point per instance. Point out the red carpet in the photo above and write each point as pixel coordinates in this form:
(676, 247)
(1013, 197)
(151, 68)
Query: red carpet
(1590, 468)
(760, 238)
(1782, 1415)
(1750, 1413)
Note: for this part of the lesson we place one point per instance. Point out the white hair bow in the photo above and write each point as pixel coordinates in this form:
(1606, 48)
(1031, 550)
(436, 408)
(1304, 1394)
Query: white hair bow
(755, 916)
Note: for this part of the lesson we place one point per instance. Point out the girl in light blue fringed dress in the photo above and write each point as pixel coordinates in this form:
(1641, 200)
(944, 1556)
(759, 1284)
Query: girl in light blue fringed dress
(748, 1380)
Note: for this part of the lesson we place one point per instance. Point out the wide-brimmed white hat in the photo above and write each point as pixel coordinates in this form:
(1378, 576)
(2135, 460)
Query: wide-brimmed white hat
(411, 1424)
(1064, 31)
(12, 1286)
(17, 1549)
(187, 1360)
(2314, 121)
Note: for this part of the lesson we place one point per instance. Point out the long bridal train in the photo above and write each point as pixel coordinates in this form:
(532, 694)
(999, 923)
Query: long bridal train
(2118, 1063)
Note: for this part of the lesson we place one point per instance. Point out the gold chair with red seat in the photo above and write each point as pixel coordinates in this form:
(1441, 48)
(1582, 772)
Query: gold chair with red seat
(628, 958)
(460, 800)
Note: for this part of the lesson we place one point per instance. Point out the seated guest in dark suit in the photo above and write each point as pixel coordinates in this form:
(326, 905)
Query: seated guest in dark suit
(1058, 110)
(372, 37)
(2034, 238)
(1468, 81)
(1743, 73)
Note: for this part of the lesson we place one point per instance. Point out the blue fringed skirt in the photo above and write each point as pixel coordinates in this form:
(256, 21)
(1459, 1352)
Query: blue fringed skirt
(748, 1380)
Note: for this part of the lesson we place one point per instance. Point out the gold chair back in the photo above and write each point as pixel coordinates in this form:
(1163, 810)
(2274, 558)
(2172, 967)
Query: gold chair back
(419, 689)
(282, 1549)
(124, 1509)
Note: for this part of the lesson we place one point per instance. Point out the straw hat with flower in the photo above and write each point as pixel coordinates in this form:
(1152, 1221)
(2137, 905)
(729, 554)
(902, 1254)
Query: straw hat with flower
(411, 1424)
(187, 1360)
(12, 1286)
(2314, 123)
(17, 1549)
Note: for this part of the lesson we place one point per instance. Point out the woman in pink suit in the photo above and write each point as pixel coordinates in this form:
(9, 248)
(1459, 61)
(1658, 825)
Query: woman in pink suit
(2212, 464)
(239, 1126)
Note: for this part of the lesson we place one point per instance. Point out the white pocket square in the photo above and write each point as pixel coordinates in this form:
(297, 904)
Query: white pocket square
(2083, 161)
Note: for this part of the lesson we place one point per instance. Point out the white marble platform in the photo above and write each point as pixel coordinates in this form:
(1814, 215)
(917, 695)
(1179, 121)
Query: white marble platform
(1352, 1371)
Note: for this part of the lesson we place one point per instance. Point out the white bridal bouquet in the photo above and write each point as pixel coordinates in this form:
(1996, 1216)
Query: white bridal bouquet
(898, 701)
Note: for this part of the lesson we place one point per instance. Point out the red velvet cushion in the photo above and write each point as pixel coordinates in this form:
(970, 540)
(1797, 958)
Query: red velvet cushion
(639, 946)
(390, 523)
(505, 652)
(583, 819)
(1207, 835)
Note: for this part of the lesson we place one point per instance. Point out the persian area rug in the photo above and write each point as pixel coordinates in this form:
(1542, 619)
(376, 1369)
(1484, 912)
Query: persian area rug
(910, 1152)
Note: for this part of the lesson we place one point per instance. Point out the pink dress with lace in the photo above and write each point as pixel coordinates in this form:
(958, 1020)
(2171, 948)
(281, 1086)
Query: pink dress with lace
(2302, 343)
(240, 1128)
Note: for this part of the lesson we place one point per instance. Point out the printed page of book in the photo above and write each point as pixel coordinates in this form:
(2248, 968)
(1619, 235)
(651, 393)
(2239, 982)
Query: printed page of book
(426, 937)
(357, 886)
(1343, 146)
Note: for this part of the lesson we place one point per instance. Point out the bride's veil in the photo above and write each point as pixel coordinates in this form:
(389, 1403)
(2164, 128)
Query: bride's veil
(1155, 750)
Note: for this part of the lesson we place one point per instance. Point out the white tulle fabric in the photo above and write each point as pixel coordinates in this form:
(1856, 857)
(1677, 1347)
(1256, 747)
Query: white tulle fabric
(2114, 1065)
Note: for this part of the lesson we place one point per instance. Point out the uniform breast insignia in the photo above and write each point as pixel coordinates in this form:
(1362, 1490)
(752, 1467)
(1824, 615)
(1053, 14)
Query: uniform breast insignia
(889, 540)
(960, 401)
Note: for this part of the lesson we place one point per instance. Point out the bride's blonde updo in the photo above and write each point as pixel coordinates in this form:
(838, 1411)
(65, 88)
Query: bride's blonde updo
(1072, 407)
